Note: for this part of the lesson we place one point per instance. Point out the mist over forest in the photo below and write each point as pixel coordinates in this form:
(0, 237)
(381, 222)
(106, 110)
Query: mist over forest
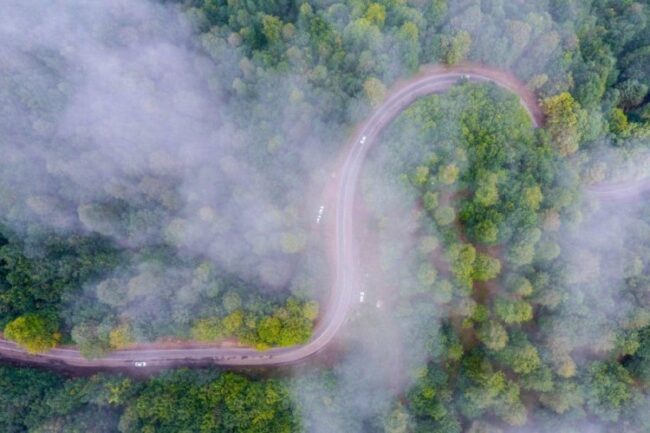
(163, 168)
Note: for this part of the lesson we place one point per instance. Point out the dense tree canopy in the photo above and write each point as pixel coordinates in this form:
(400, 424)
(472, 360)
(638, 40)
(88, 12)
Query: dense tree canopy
(198, 401)
(525, 297)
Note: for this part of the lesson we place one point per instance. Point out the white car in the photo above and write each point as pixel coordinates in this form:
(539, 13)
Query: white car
(379, 304)
(140, 364)
(363, 139)
(466, 76)
(320, 214)
(361, 296)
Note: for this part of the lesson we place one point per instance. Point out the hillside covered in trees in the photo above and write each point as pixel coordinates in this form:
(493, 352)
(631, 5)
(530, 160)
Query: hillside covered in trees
(157, 182)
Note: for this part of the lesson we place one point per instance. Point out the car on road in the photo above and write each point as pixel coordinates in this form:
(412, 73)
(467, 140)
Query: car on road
(320, 214)
(140, 364)
(361, 296)
(363, 139)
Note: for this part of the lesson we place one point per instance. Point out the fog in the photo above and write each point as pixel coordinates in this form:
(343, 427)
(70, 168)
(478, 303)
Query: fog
(122, 121)
(387, 350)
(138, 122)
(389, 338)
(118, 123)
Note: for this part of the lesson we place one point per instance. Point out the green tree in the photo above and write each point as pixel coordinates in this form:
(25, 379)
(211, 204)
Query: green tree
(444, 215)
(121, 336)
(430, 200)
(35, 332)
(486, 231)
(487, 192)
(91, 338)
(608, 387)
(22, 399)
(566, 395)
(207, 329)
(632, 93)
(520, 355)
(421, 175)
(272, 28)
(233, 322)
(457, 47)
(376, 14)
(448, 174)
(269, 330)
(486, 267)
(310, 310)
(409, 43)
(484, 390)
(374, 90)
(533, 197)
(539, 379)
(462, 257)
(513, 311)
(492, 334)
(563, 121)
(522, 251)
(619, 123)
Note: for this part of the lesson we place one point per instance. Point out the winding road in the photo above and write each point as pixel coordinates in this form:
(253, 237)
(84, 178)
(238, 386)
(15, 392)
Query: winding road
(343, 254)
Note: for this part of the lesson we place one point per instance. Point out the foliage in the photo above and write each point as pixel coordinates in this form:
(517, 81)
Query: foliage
(492, 334)
(531, 332)
(285, 326)
(608, 388)
(34, 332)
(121, 336)
(563, 117)
(187, 401)
(513, 311)
(486, 267)
(22, 397)
(457, 47)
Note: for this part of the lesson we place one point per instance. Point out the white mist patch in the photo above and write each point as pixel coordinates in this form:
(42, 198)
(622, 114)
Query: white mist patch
(130, 137)
(602, 251)
(117, 123)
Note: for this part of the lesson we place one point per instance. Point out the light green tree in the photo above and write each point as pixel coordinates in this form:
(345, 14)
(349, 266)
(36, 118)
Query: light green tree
(448, 174)
(374, 90)
(486, 267)
(121, 336)
(34, 332)
(457, 47)
(207, 329)
(513, 311)
(376, 14)
(563, 121)
(492, 334)
(487, 192)
(444, 215)
(462, 257)
(272, 28)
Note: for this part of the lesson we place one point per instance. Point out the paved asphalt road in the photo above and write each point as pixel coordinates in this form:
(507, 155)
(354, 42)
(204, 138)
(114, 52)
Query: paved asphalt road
(345, 288)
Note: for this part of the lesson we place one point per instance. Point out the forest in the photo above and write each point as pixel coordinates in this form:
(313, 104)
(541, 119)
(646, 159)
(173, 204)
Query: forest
(177, 401)
(504, 295)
